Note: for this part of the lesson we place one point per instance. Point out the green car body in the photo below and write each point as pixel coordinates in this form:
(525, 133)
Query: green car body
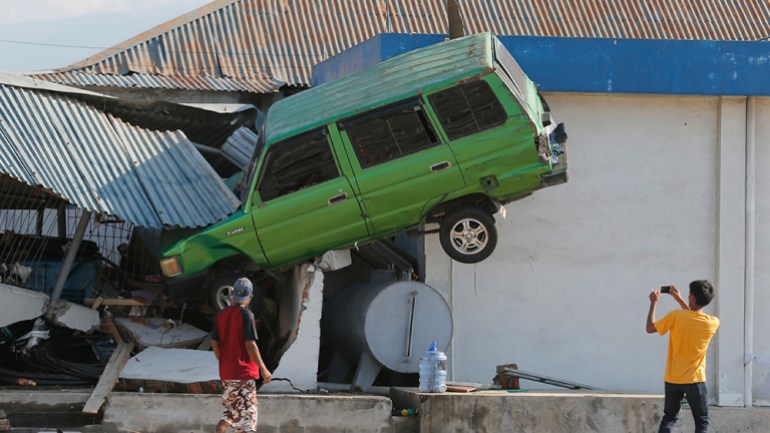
(383, 150)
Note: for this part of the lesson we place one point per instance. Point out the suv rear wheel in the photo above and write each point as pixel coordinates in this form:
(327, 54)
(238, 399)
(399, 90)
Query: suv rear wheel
(468, 234)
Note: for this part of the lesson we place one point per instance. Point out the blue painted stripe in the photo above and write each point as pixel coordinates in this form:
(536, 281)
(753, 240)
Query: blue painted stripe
(601, 65)
(644, 65)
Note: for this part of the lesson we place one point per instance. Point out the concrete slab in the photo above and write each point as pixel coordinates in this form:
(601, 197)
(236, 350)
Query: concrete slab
(335, 260)
(155, 331)
(172, 365)
(74, 316)
(18, 304)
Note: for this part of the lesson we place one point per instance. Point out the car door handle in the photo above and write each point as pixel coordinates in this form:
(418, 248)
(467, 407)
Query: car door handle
(440, 166)
(338, 198)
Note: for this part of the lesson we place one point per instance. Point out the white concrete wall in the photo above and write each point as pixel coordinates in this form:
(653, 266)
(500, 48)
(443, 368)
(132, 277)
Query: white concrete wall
(656, 195)
(761, 376)
(300, 361)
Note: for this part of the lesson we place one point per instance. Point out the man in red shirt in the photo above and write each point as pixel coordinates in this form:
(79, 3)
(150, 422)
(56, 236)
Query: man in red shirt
(234, 341)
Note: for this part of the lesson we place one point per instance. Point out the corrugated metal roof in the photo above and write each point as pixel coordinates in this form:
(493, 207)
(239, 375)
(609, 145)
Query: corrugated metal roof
(100, 163)
(400, 77)
(239, 147)
(255, 45)
(146, 81)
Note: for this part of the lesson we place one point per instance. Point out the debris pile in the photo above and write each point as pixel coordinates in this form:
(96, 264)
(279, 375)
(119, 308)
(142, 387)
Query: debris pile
(62, 359)
(5, 423)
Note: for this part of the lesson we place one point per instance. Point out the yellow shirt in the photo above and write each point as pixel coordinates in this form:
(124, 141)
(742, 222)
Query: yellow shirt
(691, 333)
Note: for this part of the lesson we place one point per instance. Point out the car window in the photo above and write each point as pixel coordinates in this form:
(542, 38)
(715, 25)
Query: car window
(389, 133)
(296, 164)
(467, 109)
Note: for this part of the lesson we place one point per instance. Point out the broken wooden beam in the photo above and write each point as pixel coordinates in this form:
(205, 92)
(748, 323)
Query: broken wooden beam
(110, 325)
(205, 344)
(118, 302)
(109, 377)
(97, 303)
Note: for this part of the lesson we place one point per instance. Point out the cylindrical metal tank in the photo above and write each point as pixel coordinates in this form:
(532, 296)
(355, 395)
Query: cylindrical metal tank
(394, 321)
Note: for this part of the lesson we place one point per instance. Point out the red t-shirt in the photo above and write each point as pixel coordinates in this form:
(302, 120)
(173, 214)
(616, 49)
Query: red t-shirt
(233, 327)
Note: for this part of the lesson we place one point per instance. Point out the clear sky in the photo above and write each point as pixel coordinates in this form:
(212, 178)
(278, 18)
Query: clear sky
(46, 34)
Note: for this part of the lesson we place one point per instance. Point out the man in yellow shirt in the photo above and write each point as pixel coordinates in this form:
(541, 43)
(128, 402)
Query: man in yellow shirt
(691, 331)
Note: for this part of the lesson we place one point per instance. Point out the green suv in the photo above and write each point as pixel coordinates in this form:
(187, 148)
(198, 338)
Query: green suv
(445, 134)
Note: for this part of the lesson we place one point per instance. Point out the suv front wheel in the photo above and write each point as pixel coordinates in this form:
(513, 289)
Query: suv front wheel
(221, 290)
(468, 235)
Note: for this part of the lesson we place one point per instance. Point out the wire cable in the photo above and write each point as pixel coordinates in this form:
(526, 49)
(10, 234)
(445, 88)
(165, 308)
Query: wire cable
(283, 379)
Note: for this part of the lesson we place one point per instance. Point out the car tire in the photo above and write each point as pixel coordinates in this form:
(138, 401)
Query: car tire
(468, 234)
(220, 291)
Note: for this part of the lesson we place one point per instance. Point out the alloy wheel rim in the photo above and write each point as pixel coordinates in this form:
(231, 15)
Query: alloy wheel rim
(469, 236)
(223, 297)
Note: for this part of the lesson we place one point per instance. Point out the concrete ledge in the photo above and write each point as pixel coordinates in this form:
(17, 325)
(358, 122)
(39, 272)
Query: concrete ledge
(62, 409)
(42, 399)
(523, 412)
(534, 412)
(156, 413)
(563, 412)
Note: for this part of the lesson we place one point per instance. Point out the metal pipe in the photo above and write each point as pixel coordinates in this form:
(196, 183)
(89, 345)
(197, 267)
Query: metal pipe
(207, 149)
(69, 258)
(61, 220)
(748, 305)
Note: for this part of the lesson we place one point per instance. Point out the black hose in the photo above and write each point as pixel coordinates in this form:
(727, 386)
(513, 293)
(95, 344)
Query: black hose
(69, 354)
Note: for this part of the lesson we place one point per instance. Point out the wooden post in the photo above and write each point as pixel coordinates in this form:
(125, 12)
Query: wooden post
(69, 258)
(109, 377)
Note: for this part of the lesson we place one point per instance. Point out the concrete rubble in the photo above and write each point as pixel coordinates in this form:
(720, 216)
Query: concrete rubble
(160, 332)
(172, 365)
(5, 424)
(74, 316)
(18, 304)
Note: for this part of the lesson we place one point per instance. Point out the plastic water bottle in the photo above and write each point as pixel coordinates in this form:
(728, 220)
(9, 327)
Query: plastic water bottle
(433, 370)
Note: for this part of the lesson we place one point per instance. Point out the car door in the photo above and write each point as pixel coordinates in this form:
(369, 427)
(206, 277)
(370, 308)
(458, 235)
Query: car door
(305, 206)
(401, 167)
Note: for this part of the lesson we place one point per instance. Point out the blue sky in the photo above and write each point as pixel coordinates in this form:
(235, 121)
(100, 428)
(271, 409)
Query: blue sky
(46, 34)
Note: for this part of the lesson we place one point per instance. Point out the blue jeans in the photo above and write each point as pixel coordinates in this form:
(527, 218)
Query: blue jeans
(696, 398)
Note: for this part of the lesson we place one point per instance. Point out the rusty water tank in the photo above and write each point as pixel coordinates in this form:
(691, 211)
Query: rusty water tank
(394, 321)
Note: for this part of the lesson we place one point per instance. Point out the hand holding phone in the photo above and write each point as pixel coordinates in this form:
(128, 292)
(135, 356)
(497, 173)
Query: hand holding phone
(665, 289)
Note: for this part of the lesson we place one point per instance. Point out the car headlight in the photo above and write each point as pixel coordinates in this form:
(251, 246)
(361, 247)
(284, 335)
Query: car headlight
(171, 266)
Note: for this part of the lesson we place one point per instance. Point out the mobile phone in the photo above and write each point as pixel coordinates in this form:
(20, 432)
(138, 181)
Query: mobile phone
(665, 289)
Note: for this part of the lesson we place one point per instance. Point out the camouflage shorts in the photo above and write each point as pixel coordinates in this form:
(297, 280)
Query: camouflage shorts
(240, 404)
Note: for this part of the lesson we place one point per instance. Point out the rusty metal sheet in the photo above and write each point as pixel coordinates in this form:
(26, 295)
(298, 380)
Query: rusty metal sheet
(259, 45)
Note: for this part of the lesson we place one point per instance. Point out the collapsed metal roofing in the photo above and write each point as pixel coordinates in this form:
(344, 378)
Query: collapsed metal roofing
(239, 147)
(51, 138)
(260, 45)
